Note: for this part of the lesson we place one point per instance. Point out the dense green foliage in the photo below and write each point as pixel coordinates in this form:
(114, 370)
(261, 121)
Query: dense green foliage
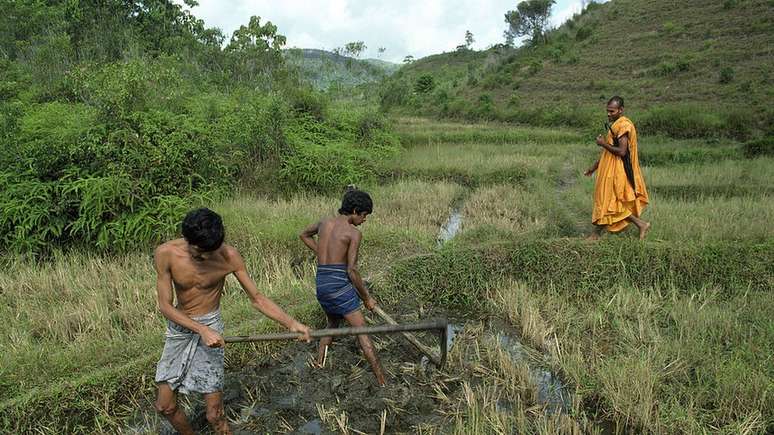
(108, 136)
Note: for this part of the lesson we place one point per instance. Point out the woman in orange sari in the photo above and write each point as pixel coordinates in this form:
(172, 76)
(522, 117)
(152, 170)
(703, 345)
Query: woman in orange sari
(620, 194)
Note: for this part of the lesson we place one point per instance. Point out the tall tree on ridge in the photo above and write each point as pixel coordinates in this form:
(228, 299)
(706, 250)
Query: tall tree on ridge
(529, 19)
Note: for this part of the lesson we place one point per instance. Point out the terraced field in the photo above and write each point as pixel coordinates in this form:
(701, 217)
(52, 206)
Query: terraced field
(484, 224)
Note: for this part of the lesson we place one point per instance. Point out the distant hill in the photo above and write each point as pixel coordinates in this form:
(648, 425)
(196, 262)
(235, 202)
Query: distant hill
(324, 69)
(705, 64)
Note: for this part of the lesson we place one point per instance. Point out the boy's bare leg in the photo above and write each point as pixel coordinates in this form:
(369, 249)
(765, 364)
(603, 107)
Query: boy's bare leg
(216, 417)
(166, 405)
(356, 318)
(333, 322)
(641, 225)
(597, 233)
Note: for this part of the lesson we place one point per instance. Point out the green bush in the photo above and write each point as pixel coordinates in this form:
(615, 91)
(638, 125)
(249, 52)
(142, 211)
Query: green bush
(671, 68)
(485, 108)
(326, 156)
(118, 89)
(571, 59)
(324, 168)
(534, 67)
(726, 75)
(308, 102)
(55, 136)
(760, 147)
(730, 4)
(694, 122)
(671, 27)
(583, 33)
(424, 84)
(394, 93)
(372, 130)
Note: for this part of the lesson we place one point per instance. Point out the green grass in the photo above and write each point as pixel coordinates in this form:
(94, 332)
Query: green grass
(669, 335)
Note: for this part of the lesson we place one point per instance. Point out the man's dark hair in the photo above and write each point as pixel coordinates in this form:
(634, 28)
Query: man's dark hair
(203, 228)
(617, 100)
(356, 201)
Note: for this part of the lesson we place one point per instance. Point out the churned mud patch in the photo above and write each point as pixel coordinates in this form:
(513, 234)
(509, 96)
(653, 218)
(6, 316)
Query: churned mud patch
(281, 391)
(285, 392)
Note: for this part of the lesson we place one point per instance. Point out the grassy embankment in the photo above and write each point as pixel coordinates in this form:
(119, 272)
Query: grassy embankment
(673, 334)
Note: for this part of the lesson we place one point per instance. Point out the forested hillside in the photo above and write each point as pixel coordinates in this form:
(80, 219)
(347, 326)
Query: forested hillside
(326, 70)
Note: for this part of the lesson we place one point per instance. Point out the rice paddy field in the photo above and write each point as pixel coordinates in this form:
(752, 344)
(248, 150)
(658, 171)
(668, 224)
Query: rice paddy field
(483, 224)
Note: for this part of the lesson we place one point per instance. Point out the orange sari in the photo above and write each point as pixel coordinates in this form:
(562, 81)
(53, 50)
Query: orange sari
(615, 199)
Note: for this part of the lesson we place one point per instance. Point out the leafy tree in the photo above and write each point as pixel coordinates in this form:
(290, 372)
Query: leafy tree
(381, 51)
(529, 19)
(469, 39)
(354, 49)
(256, 50)
(425, 83)
(408, 59)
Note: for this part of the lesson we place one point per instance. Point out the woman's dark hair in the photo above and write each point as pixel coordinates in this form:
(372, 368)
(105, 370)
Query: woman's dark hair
(203, 228)
(356, 201)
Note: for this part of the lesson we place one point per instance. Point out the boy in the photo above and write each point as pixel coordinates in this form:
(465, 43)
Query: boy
(339, 285)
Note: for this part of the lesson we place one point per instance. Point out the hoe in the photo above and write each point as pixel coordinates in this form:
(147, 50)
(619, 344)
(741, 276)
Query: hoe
(444, 329)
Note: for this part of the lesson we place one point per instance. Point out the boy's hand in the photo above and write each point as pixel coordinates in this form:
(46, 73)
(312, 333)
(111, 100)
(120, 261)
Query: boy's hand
(589, 172)
(303, 329)
(212, 338)
(601, 140)
(370, 303)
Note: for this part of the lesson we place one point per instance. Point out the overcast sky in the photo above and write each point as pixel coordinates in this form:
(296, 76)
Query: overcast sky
(403, 27)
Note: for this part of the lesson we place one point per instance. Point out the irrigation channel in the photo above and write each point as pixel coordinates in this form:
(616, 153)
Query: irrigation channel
(552, 393)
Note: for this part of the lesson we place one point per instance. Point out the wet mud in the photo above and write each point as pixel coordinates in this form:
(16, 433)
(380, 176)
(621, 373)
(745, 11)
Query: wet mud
(281, 392)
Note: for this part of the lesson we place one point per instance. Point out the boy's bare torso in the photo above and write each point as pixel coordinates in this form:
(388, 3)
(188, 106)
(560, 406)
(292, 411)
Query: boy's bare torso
(198, 281)
(334, 236)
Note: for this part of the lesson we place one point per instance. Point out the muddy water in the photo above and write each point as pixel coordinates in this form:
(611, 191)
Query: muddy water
(451, 227)
(552, 393)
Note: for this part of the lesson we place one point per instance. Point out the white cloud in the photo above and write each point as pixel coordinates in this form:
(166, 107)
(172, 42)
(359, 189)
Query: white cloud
(403, 27)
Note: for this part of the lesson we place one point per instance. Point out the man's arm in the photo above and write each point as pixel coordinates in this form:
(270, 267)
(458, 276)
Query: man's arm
(354, 275)
(166, 298)
(307, 236)
(261, 302)
(620, 150)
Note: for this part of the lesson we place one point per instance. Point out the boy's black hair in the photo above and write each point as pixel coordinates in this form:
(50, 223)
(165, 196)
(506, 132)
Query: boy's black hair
(203, 228)
(356, 201)
(617, 100)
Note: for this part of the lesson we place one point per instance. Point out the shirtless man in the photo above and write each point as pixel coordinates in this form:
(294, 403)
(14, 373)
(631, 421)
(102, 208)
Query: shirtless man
(339, 285)
(197, 266)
